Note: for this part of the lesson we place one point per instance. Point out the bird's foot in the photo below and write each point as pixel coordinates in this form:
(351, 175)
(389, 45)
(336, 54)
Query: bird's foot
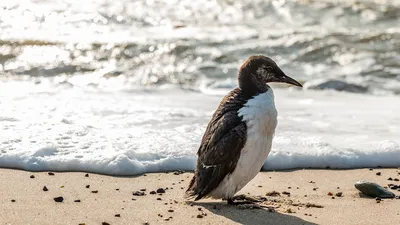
(246, 200)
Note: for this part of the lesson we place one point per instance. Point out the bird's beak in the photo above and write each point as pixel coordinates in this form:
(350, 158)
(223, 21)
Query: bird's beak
(286, 79)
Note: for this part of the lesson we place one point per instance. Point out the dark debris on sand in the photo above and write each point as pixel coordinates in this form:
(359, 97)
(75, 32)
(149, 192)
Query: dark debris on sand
(160, 190)
(45, 188)
(95, 192)
(59, 199)
(50, 173)
(139, 193)
(273, 193)
(32, 176)
(178, 172)
(87, 175)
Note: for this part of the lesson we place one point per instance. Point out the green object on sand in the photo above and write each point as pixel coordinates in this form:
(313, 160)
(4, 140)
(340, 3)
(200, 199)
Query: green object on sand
(373, 189)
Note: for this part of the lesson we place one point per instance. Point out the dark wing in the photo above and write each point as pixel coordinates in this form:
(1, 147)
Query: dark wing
(220, 148)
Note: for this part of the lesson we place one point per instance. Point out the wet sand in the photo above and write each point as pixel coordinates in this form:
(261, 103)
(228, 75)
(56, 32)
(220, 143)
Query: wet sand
(110, 200)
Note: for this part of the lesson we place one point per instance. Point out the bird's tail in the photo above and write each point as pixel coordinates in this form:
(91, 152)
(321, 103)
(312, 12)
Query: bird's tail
(191, 190)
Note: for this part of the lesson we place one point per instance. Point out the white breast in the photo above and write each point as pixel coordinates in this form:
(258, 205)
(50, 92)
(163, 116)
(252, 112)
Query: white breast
(260, 116)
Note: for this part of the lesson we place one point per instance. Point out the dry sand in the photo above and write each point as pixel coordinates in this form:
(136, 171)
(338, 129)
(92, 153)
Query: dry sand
(34, 206)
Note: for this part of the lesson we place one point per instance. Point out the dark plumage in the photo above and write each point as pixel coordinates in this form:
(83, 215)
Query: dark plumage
(226, 133)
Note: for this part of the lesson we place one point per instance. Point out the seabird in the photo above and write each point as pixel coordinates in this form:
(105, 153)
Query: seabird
(239, 136)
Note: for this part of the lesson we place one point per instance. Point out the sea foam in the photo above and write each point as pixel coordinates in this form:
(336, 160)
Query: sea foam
(128, 133)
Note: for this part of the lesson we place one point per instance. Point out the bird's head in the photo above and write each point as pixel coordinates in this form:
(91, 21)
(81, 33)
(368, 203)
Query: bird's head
(259, 70)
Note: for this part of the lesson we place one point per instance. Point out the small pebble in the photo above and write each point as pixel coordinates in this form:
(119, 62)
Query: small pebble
(199, 216)
(146, 223)
(390, 178)
(289, 210)
(170, 210)
(166, 219)
(396, 179)
(259, 186)
(339, 194)
(51, 173)
(77, 200)
(159, 199)
(139, 193)
(153, 192)
(87, 186)
(143, 189)
(12, 200)
(330, 193)
(311, 182)
(117, 189)
(199, 209)
(314, 189)
(286, 193)
(59, 199)
(371, 169)
(32, 176)
(95, 192)
(87, 175)
(62, 186)
(82, 224)
(333, 197)
(45, 188)
(117, 215)
(160, 190)
(378, 173)
(178, 172)
(105, 223)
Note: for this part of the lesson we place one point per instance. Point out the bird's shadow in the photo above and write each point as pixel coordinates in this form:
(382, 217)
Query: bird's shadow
(251, 216)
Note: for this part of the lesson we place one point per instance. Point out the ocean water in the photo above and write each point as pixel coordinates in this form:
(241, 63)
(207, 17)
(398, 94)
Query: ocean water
(127, 87)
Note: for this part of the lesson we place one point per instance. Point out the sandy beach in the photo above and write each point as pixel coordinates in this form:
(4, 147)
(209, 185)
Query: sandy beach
(110, 200)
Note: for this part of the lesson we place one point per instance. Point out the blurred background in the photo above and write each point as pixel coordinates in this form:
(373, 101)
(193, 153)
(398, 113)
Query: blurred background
(125, 86)
(195, 44)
